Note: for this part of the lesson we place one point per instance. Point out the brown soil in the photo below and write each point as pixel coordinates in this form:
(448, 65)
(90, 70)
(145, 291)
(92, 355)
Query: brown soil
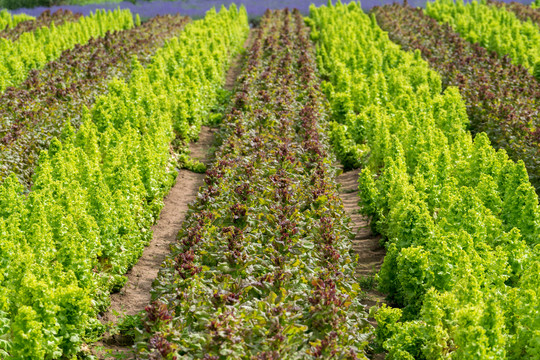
(235, 70)
(237, 65)
(365, 244)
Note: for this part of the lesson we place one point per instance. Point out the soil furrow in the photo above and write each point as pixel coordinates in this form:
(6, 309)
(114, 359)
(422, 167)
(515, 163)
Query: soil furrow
(366, 244)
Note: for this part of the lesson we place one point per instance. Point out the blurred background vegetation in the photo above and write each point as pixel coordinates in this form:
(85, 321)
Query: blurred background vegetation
(16, 4)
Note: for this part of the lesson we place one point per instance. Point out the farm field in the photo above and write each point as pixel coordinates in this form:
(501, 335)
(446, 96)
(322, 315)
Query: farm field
(328, 184)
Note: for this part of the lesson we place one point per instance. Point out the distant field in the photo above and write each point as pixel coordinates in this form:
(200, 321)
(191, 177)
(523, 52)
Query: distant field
(193, 8)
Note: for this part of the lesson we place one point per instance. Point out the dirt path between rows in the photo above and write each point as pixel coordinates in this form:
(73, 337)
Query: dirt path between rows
(365, 244)
(135, 295)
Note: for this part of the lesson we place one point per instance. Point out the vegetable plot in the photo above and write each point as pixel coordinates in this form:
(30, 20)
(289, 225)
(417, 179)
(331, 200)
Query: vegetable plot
(60, 93)
(32, 50)
(502, 98)
(262, 268)
(46, 19)
(492, 27)
(461, 220)
(9, 21)
(523, 12)
(96, 193)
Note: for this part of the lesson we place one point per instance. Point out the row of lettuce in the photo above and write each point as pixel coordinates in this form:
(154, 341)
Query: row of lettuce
(493, 27)
(34, 49)
(9, 21)
(262, 268)
(460, 219)
(502, 99)
(37, 110)
(521, 11)
(46, 19)
(97, 191)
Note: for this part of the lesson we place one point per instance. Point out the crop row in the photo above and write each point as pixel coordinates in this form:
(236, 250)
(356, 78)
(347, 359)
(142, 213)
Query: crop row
(95, 194)
(32, 50)
(9, 21)
(37, 110)
(45, 19)
(493, 27)
(460, 220)
(523, 12)
(262, 268)
(501, 98)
